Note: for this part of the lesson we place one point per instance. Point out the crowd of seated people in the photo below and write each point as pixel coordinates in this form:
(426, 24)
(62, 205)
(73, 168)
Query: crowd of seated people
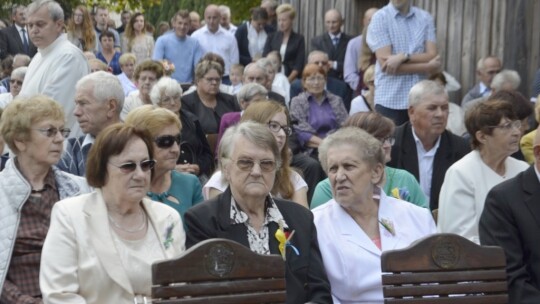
(217, 131)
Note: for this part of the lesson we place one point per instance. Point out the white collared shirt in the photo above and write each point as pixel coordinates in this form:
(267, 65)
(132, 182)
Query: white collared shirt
(537, 172)
(484, 90)
(19, 30)
(221, 42)
(425, 164)
(256, 41)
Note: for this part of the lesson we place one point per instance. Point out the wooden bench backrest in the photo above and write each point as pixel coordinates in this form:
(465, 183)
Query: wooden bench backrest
(219, 271)
(444, 268)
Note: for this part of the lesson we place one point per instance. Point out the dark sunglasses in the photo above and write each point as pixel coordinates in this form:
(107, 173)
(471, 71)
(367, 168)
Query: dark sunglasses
(146, 165)
(166, 141)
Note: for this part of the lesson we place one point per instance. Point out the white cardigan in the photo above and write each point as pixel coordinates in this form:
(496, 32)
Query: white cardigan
(464, 190)
(351, 259)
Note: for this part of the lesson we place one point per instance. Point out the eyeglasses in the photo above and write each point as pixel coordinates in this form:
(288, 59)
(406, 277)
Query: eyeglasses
(146, 165)
(12, 81)
(170, 99)
(315, 79)
(166, 141)
(274, 126)
(390, 140)
(212, 80)
(508, 126)
(51, 132)
(266, 165)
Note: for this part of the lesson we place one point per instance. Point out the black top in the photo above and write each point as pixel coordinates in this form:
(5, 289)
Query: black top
(210, 118)
(194, 148)
(295, 53)
(335, 53)
(305, 276)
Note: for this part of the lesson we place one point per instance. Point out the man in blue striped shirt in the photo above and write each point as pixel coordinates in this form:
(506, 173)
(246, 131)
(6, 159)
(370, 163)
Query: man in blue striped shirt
(403, 39)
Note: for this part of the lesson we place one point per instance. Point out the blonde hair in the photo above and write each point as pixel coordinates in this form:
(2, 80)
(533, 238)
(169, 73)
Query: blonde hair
(286, 8)
(22, 114)
(152, 118)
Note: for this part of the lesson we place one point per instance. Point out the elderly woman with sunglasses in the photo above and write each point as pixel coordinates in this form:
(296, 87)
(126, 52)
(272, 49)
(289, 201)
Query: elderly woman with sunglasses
(195, 154)
(316, 111)
(176, 189)
(361, 222)
(248, 213)
(495, 133)
(30, 186)
(15, 84)
(101, 246)
(288, 184)
(397, 183)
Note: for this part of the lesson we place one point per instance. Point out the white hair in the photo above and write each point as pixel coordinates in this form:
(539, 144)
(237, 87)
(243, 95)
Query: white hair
(105, 86)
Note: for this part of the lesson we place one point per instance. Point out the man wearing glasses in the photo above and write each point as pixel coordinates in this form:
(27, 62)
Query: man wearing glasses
(98, 102)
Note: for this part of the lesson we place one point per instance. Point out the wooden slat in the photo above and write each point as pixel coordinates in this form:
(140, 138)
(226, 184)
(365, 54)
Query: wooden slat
(271, 297)
(488, 299)
(443, 277)
(444, 289)
(218, 288)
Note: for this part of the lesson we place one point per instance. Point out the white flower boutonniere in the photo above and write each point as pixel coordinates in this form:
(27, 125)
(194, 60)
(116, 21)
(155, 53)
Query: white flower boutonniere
(388, 225)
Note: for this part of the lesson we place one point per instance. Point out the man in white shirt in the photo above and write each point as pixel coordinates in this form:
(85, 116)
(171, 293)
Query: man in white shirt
(225, 22)
(213, 38)
(58, 65)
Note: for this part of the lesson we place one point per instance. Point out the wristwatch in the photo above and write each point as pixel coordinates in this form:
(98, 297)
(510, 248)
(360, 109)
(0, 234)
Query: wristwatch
(407, 57)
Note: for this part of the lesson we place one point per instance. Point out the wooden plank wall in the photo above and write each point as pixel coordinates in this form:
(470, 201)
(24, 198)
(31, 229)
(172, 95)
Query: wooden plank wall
(466, 31)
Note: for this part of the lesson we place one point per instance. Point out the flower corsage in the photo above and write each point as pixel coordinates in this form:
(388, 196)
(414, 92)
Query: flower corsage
(284, 235)
(388, 225)
(168, 236)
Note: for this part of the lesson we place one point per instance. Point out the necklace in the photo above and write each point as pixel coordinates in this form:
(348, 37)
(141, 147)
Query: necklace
(138, 229)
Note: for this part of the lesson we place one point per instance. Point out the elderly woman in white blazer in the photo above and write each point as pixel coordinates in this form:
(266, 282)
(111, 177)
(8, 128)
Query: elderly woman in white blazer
(361, 221)
(100, 246)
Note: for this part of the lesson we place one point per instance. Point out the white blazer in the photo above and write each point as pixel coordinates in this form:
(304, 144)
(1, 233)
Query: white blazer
(80, 263)
(351, 259)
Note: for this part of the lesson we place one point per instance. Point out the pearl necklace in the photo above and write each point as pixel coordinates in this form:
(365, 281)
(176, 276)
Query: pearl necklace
(138, 229)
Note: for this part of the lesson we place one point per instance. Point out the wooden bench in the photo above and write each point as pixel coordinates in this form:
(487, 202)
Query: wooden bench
(444, 268)
(219, 271)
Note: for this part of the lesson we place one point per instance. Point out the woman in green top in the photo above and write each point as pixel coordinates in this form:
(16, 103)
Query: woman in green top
(178, 190)
(398, 183)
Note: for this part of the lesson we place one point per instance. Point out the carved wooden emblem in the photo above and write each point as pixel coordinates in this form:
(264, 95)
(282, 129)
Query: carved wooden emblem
(445, 253)
(219, 260)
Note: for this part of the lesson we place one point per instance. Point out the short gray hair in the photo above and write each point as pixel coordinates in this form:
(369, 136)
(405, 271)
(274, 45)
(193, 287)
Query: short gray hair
(254, 132)
(163, 86)
(19, 72)
(254, 65)
(55, 10)
(422, 88)
(265, 64)
(369, 146)
(224, 10)
(22, 57)
(248, 91)
(506, 77)
(316, 52)
(106, 86)
(16, 7)
(480, 64)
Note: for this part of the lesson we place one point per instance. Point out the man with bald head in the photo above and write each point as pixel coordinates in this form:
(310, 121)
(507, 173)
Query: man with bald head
(486, 69)
(510, 219)
(214, 38)
(334, 85)
(354, 48)
(257, 73)
(333, 42)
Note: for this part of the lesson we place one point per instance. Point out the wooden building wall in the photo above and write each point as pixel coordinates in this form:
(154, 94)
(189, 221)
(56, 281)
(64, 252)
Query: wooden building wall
(466, 31)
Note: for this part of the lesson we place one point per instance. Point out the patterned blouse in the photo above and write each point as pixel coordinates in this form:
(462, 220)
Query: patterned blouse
(258, 241)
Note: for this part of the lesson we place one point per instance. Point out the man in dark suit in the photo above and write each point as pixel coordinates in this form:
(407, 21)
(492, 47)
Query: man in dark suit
(423, 146)
(334, 85)
(511, 219)
(486, 69)
(333, 42)
(14, 39)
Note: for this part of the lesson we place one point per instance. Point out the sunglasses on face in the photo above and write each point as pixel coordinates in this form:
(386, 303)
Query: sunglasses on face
(166, 141)
(51, 132)
(146, 165)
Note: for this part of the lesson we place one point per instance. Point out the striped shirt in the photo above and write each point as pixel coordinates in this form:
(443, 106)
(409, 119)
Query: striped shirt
(405, 34)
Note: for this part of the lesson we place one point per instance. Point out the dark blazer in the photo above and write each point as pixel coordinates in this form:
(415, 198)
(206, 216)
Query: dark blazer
(511, 219)
(305, 275)
(210, 118)
(11, 43)
(194, 142)
(473, 93)
(242, 40)
(295, 53)
(276, 97)
(334, 85)
(404, 156)
(324, 43)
